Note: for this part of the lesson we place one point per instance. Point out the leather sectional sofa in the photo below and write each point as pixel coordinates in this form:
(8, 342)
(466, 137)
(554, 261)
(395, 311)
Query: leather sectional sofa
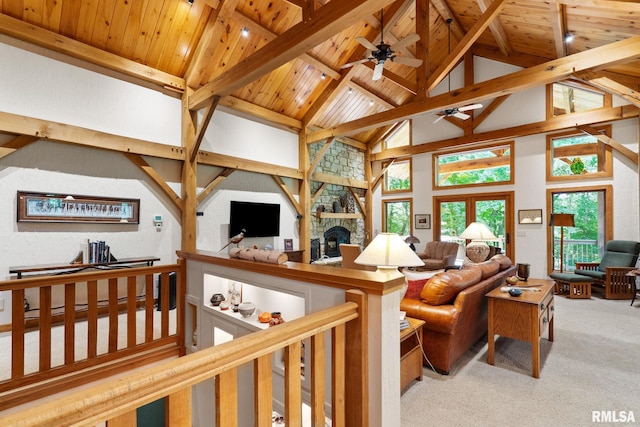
(454, 308)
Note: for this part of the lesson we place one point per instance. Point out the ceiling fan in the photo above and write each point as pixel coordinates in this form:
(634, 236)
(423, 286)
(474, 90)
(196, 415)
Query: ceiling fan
(383, 52)
(458, 112)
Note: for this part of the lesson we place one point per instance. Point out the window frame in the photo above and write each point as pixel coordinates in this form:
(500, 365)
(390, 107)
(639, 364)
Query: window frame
(483, 147)
(395, 130)
(607, 100)
(604, 152)
(384, 204)
(385, 176)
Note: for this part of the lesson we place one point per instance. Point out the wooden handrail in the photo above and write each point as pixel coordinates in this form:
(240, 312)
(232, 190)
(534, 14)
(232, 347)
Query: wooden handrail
(116, 400)
(22, 387)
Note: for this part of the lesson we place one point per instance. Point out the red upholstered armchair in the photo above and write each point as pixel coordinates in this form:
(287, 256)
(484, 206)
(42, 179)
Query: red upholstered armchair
(438, 255)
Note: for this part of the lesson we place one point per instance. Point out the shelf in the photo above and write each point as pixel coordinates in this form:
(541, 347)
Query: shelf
(343, 215)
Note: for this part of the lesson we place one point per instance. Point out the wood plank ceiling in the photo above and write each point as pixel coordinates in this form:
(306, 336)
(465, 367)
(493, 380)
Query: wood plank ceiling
(181, 44)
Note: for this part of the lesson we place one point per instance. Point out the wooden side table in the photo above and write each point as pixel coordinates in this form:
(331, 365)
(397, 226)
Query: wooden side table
(411, 353)
(523, 318)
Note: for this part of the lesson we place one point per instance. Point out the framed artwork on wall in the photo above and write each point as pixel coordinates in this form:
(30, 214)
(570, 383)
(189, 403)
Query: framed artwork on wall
(423, 221)
(46, 207)
(288, 244)
(530, 216)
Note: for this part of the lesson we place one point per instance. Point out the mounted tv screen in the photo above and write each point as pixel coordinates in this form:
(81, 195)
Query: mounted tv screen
(259, 219)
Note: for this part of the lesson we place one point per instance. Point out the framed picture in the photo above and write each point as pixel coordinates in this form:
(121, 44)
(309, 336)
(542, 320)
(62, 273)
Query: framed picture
(423, 221)
(288, 244)
(45, 207)
(530, 216)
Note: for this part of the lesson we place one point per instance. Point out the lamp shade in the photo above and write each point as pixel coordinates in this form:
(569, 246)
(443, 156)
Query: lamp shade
(561, 220)
(388, 250)
(411, 239)
(477, 231)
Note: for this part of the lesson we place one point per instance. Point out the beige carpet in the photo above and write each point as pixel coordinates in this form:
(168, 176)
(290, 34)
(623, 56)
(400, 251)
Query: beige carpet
(57, 341)
(592, 365)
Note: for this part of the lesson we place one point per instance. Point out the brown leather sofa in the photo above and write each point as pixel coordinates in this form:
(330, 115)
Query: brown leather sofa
(454, 308)
(438, 255)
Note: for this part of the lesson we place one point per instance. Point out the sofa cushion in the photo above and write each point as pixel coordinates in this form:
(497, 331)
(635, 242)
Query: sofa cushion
(488, 268)
(503, 260)
(443, 287)
(415, 282)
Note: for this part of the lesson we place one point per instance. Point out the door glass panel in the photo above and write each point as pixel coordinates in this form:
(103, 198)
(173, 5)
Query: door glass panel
(453, 220)
(492, 214)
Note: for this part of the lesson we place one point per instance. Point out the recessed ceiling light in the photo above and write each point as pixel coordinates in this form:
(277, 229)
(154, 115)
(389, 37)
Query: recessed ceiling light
(190, 1)
(371, 102)
(323, 76)
(568, 37)
(245, 32)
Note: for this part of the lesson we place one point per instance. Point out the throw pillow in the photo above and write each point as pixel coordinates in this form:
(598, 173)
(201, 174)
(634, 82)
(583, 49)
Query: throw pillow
(416, 281)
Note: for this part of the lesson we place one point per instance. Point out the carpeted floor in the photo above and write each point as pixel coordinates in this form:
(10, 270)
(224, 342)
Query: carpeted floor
(593, 364)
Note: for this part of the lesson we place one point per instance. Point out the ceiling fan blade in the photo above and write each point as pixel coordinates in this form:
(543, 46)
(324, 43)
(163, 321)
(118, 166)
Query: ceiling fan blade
(366, 43)
(439, 118)
(461, 116)
(401, 44)
(470, 107)
(377, 71)
(411, 62)
(351, 64)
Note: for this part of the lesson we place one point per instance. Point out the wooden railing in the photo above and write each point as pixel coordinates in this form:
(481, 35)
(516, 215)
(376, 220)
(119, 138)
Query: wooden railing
(24, 385)
(116, 401)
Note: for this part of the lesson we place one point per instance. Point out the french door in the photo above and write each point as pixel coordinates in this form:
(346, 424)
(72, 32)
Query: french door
(452, 214)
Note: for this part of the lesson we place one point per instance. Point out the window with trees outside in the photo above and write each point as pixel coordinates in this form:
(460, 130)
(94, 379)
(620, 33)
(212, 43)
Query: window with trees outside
(397, 177)
(585, 241)
(396, 216)
(572, 155)
(492, 164)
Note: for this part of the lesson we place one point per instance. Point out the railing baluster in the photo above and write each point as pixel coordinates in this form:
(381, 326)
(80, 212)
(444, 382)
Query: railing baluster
(164, 314)
(263, 386)
(227, 398)
(17, 333)
(92, 319)
(131, 311)
(292, 385)
(317, 380)
(338, 348)
(179, 408)
(113, 315)
(148, 308)
(125, 420)
(69, 323)
(44, 325)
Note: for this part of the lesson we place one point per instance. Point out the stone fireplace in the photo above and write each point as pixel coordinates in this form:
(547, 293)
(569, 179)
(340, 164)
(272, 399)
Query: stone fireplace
(333, 237)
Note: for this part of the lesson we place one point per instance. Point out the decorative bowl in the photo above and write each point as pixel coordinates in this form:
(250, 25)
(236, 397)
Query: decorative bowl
(216, 299)
(512, 280)
(246, 309)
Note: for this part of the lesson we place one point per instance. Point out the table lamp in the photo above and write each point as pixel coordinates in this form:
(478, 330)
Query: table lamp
(410, 240)
(561, 220)
(387, 252)
(477, 249)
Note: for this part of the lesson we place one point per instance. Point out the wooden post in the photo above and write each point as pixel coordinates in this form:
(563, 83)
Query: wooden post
(356, 364)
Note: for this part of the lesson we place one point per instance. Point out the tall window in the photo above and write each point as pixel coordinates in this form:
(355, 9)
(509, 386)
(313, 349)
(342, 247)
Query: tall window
(481, 166)
(572, 155)
(397, 214)
(591, 206)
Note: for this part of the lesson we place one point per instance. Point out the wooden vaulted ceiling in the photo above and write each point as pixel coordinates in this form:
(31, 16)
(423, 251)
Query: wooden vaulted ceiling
(288, 70)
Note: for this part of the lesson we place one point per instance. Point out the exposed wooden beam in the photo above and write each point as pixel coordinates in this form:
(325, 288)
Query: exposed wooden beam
(288, 193)
(629, 154)
(253, 112)
(15, 144)
(201, 127)
(216, 25)
(517, 59)
(446, 13)
(559, 123)
(599, 80)
(486, 112)
(142, 164)
(67, 46)
(625, 6)
(319, 155)
(47, 130)
(549, 72)
(214, 159)
(467, 41)
(325, 23)
(496, 29)
(214, 184)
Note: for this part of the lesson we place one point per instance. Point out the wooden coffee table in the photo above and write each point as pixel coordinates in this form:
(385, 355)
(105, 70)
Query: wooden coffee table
(411, 353)
(523, 318)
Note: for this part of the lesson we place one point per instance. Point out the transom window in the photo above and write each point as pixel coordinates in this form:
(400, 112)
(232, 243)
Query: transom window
(398, 177)
(574, 97)
(400, 136)
(488, 165)
(572, 155)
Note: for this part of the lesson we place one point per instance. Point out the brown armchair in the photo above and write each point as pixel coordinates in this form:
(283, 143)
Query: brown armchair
(438, 255)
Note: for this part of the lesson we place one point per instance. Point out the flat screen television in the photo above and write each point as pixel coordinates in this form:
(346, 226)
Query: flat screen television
(259, 219)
